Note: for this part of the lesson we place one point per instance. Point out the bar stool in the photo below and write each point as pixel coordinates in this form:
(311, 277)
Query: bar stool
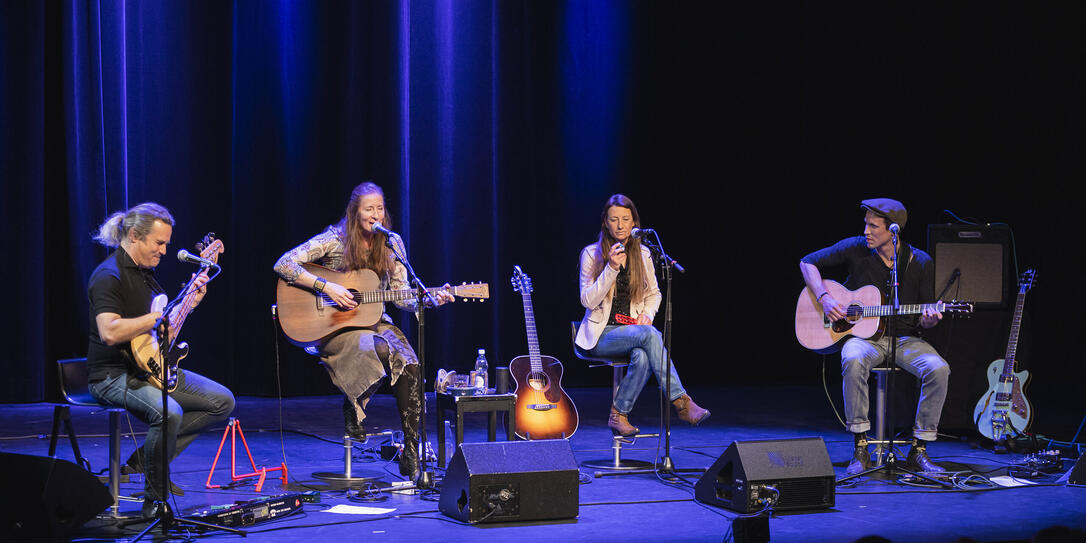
(881, 425)
(75, 388)
(618, 371)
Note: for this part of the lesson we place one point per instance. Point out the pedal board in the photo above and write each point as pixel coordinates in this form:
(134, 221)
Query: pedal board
(252, 512)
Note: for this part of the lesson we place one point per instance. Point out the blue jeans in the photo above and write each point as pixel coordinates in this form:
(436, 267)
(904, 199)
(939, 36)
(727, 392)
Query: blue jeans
(915, 356)
(195, 404)
(644, 345)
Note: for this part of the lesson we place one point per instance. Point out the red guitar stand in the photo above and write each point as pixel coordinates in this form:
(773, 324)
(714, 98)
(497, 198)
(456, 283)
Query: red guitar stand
(233, 427)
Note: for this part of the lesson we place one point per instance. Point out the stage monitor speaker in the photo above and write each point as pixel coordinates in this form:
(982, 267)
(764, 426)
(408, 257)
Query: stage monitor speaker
(1077, 475)
(789, 474)
(509, 481)
(45, 497)
(982, 257)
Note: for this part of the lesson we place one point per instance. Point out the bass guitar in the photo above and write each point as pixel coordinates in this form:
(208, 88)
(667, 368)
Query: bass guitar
(307, 316)
(1003, 410)
(543, 409)
(863, 317)
(159, 359)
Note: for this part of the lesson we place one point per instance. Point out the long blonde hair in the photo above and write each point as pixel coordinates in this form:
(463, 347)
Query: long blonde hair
(639, 282)
(349, 228)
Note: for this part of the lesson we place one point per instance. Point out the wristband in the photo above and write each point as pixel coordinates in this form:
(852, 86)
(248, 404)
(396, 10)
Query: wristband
(819, 298)
(318, 285)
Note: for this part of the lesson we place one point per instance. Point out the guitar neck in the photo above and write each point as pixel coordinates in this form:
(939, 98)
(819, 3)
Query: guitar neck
(380, 296)
(904, 309)
(533, 338)
(1012, 339)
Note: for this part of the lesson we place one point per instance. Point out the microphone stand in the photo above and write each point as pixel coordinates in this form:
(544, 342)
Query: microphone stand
(423, 295)
(891, 465)
(164, 515)
(666, 263)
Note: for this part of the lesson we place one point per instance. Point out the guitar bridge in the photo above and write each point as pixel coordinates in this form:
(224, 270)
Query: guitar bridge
(542, 406)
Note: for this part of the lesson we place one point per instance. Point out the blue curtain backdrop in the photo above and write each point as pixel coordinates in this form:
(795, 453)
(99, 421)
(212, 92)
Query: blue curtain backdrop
(746, 135)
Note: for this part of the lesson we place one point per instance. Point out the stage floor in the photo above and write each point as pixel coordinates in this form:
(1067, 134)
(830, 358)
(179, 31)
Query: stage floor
(612, 508)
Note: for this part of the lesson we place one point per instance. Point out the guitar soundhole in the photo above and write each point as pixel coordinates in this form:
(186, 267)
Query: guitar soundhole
(538, 381)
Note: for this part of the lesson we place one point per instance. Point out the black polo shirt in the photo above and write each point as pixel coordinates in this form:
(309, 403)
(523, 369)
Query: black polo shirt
(916, 274)
(118, 286)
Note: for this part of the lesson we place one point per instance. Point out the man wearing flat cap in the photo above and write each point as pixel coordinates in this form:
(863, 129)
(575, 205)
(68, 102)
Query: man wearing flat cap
(868, 260)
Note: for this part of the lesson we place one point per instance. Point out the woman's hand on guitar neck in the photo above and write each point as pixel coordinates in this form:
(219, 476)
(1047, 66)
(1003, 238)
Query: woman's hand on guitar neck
(340, 295)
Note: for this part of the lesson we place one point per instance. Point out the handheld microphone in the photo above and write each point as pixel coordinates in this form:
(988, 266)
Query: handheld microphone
(378, 227)
(638, 232)
(185, 256)
(894, 228)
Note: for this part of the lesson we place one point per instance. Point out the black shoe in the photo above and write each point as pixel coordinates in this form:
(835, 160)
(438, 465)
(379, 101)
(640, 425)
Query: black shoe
(351, 427)
(861, 460)
(152, 508)
(918, 461)
(133, 466)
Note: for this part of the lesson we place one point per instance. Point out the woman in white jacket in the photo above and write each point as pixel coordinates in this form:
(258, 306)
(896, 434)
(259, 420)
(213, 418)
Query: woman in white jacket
(621, 297)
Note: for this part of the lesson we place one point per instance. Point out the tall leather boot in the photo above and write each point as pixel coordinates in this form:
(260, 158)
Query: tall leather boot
(409, 403)
(351, 425)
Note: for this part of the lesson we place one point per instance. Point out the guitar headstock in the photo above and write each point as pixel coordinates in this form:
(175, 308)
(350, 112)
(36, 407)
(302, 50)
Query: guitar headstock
(210, 247)
(471, 292)
(956, 306)
(1025, 282)
(521, 282)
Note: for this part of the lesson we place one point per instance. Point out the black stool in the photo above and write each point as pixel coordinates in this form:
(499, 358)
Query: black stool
(483, 403)
(75, 388)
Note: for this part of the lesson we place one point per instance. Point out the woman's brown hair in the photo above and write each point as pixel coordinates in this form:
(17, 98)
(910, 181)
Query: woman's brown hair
(379, 258)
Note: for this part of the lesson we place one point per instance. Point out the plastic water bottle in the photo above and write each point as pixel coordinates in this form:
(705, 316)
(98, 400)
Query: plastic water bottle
(482, 380)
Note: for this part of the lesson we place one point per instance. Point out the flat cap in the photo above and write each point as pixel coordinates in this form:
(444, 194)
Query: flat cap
(892, 210)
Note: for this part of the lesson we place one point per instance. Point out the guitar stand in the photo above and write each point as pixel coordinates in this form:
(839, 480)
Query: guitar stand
(233, 428)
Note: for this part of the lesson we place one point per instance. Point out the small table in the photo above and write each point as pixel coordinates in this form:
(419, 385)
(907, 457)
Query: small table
(481, 403)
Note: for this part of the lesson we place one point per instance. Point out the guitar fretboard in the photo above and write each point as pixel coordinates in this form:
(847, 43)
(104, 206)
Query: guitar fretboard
(905, 309)
(533, 339)
(1012, 340)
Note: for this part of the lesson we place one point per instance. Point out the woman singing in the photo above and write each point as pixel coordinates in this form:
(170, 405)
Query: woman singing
(358, 359)
(620, 296)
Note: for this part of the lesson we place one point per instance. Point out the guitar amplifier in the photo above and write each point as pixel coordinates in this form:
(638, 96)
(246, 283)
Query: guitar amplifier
(782, 474)
(977, 258)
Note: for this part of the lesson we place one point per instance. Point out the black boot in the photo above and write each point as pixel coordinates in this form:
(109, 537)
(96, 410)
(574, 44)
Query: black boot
(861, 458)
(409, 403)
(918, 459)
(351, 426)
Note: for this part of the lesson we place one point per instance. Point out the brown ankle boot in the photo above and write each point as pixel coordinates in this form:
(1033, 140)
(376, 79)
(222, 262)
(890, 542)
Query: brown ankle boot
(690, 411)
(620, 425)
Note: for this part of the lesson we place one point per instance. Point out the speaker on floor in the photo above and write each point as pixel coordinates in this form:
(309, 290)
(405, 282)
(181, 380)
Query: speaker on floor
(786, 474)
(511, 481)
(47, 497)
(1077, 475)
(978, 258)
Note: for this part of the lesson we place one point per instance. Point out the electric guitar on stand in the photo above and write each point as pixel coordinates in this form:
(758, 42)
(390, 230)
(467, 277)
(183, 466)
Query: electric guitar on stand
(1003, 410)
(543, 409)
(155, 352)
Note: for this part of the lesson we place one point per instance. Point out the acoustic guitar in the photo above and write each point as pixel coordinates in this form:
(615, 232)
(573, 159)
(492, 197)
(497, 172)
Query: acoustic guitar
(543, 409)
(160, 361)
(863, 317)
(1003, 410)
(308, 316)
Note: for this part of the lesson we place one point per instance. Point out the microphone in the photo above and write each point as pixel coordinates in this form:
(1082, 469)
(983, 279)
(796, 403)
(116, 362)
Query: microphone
(638, 232)
(185, 256)
(378, 227)
(894, 228)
